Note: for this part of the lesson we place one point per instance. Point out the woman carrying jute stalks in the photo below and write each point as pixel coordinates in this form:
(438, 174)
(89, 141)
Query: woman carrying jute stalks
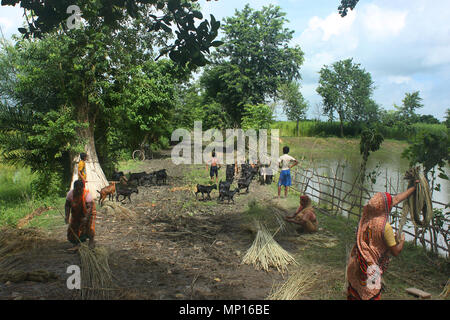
(375, 240)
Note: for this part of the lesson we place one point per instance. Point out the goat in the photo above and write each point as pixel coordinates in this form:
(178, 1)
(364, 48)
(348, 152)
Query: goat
(126, 193)
(245, 183)
(161, 175)
(147, 179)
(224, 186)
(230, 194)
(230, 173)
(136, 176)
(205, 189)
(117, 175)
(107, 191)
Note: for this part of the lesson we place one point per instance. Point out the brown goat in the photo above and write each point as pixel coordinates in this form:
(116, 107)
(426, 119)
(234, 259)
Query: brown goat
(107, 191)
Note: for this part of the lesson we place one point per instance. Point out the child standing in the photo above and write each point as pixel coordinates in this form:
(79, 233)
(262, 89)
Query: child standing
(214, 166)
(284, 162)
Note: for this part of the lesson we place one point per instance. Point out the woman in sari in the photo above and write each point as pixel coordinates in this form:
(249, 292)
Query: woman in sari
(80, 208)
(375, 241)
(305, 215)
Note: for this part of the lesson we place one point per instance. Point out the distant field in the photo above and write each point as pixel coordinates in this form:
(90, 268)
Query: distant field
(332, 129)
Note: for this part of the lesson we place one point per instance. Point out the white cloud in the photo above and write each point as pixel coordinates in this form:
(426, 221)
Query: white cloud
(399, 79)
(333, 25)
(382, 22)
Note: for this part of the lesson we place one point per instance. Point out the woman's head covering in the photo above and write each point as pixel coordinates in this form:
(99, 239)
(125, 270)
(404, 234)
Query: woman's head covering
(305, 201)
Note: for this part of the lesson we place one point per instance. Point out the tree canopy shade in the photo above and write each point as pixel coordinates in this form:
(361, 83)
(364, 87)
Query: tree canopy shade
(254, 60)
(346, 5)
(346, 89)
(192, 43)
(83, 89)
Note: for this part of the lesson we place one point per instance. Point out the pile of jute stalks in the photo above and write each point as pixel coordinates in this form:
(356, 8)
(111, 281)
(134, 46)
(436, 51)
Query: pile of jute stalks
(298, 283)
(266, 253)
(96, 277)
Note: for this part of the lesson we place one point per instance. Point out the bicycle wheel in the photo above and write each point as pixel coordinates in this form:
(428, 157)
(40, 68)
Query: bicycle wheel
(138, 155)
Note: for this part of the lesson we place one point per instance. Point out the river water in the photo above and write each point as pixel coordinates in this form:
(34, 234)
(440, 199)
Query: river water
(391, 167)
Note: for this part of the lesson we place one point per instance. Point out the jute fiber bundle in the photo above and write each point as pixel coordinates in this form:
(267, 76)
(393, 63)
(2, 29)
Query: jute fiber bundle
(96, 277)
(418, 203)
(298, 283)
(265, 252)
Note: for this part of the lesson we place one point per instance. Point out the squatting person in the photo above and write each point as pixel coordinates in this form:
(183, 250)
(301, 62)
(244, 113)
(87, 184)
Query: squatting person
(80, 208)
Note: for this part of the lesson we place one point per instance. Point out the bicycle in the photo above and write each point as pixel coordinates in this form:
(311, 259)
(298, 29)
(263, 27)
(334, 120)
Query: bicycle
(145, 152)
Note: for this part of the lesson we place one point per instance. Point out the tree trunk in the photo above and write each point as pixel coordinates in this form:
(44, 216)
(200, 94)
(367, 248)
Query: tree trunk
(341, 124)
(96, 179)
(297, 127)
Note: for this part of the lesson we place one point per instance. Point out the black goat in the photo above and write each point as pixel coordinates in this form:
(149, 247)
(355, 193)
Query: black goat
(205, 189)
(161, 175)
(136, 176)
(230, 194)
(147, 179)
(230, 173)
(224, 186)
(245, 183)
(126, 192)
(117, 175)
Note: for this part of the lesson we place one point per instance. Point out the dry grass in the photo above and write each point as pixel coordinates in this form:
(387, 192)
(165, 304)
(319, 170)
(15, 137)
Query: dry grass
(266, 253)
(296, 286)
(96, 276)
(14, 241)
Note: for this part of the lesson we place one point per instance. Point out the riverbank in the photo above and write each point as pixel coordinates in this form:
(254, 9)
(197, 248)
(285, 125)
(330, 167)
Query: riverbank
(175, 247)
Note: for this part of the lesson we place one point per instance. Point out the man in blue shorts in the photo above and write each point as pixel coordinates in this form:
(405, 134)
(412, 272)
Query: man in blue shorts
(285, 162)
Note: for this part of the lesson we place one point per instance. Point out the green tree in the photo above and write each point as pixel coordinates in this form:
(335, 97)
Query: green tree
(88, 72)
(193, 39)
(411, 103)
(428, 118)
(257, 117)
(345, 88)
(254, 60)
(447, 118)
(294, 105)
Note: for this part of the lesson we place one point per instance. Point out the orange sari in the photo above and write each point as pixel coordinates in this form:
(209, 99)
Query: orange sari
(78, 231)
(370, 255)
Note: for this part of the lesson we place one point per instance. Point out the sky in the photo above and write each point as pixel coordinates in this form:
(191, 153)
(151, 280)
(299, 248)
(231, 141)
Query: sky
(404, 44)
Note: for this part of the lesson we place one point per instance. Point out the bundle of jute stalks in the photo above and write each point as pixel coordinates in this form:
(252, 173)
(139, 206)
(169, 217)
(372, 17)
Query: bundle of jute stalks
(265, 252)
(96, 277)
(298, 283)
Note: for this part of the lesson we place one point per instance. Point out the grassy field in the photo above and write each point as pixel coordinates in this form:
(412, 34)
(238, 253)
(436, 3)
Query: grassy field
(309, 128)
(337, 148)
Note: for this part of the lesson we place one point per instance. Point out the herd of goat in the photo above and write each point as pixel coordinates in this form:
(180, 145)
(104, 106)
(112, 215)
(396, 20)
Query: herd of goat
(248, 174)
(125, 187)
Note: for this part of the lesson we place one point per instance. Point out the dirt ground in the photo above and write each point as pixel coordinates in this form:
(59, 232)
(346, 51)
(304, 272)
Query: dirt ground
(171, 246)
(167, 245)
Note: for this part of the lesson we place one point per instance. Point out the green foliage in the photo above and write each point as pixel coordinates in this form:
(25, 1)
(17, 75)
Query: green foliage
(253, 62)
(294, 106)
(447, 118)
(371, 141)
(193, 39)
(429, 150)
(346, 89)
(411, 103)
(257, 117)
(346, 5)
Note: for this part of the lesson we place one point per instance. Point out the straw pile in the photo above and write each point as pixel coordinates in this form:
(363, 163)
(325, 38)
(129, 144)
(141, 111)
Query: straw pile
(301, 280)
(118, 211)
(446, 291)
(13, 241)
(265, 252)
(96, 277)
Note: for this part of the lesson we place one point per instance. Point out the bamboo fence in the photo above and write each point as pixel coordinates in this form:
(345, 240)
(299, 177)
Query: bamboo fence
(348, 199)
